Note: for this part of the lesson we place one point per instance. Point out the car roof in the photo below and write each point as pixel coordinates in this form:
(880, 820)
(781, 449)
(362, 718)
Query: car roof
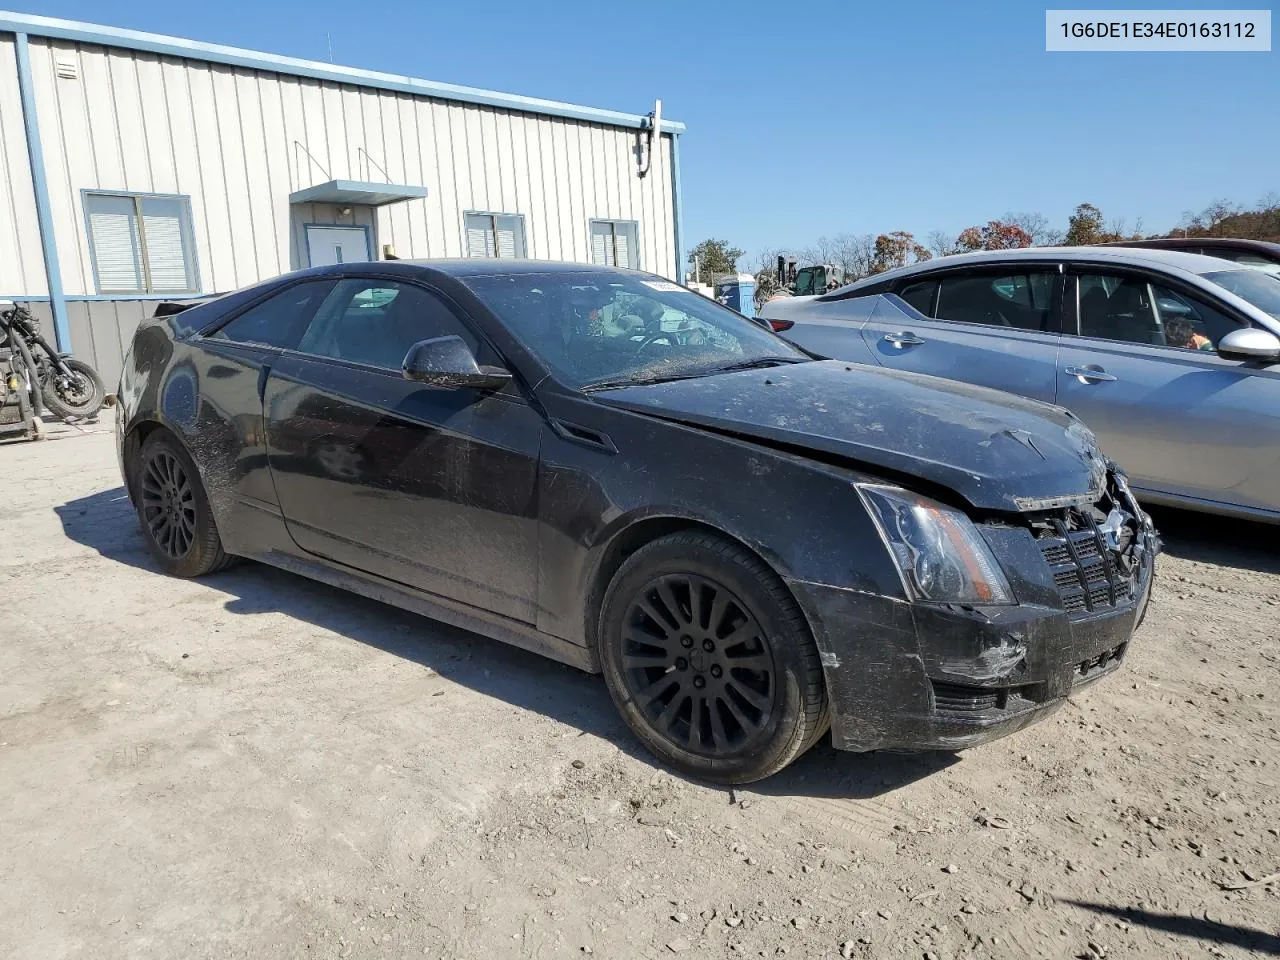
(1264, 247)
(1119, 256)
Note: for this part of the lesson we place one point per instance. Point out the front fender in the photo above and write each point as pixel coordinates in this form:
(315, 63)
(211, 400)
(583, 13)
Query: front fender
(802, 517)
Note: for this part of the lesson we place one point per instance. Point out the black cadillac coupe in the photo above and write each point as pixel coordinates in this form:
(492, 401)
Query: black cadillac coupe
(753, 545)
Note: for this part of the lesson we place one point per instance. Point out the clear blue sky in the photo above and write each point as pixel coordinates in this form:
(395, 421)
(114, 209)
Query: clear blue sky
(816, 118)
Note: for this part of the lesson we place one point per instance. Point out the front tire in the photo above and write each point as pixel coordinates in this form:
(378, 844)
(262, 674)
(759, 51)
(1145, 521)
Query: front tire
(173, 508)
(77, 397)
(710, 660)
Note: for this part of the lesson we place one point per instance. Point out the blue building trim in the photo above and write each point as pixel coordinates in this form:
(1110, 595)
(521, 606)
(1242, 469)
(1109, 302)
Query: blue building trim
(236, 57)
(102, 297)
(677, 207)
(44, 212)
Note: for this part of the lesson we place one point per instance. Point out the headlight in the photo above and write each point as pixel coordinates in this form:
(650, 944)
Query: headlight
(938, 550)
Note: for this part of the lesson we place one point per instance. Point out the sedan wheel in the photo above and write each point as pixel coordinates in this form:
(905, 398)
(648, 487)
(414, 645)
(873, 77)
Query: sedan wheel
(697, 664)
(168, 505)
(710, 660)
(171, 503)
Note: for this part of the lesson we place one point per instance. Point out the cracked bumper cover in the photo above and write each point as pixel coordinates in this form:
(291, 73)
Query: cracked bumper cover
(932, 676)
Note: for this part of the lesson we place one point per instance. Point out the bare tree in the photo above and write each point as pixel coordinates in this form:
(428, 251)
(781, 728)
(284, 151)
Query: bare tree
(943, 244)
(1037, 226)
(768, 259)
(852, 253)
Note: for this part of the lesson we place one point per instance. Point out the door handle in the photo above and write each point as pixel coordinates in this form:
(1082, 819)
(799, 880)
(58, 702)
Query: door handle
(1089, 374)
(903, 339)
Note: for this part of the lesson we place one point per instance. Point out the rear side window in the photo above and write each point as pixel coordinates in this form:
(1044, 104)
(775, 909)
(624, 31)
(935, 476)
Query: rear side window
(375, 322)
(920, 295)
(277, 321)
(1020, 300)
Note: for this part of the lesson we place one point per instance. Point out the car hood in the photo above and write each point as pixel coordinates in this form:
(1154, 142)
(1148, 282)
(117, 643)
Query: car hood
(995, 450)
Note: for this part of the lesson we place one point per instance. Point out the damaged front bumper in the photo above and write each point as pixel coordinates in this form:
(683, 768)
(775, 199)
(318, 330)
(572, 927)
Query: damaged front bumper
(946, 676)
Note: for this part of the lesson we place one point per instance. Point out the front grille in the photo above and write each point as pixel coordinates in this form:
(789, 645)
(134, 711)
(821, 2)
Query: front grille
(1088, 576)
(956, 698)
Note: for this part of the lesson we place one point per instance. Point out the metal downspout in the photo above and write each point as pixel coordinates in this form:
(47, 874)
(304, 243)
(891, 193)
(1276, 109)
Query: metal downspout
(677, 206)
(44, 213)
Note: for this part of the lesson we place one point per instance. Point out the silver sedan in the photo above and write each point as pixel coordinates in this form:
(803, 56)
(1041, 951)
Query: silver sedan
(1172, 358)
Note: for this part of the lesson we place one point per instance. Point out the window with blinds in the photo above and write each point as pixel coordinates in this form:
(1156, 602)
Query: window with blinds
(615, 243)
(140, 244)
(495, 235)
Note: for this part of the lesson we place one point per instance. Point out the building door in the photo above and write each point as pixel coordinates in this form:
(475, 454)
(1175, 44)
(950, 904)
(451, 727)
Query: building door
(327, 245)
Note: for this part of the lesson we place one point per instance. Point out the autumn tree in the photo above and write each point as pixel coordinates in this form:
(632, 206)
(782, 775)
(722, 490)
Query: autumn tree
(995, 235)
(1085, 226)
(713, 258)
(896, 249)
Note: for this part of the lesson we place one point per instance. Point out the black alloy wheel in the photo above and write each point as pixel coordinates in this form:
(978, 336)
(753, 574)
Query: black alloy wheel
(174, 510)
(697, 663)
(168, 504)
(710, 660)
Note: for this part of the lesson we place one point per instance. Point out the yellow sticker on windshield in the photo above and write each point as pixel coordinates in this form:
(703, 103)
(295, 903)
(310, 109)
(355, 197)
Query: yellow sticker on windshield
(664, 286)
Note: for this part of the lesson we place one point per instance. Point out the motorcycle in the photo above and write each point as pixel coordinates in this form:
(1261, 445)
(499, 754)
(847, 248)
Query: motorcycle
(68, 388)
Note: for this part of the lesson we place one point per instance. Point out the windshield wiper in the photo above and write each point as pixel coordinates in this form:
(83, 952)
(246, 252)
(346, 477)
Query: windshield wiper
(641, 380)
(638, 381)
(758, 363)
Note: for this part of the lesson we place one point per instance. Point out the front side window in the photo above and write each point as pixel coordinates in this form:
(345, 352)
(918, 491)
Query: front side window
(1131, 310)
(375, 322)
(277, 321)
(1022, 300)
(141, 244)
(1253, 261)
(606, 327)
(495, 235)
(615, 243)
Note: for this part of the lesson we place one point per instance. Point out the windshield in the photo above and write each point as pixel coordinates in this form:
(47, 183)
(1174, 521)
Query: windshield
(603, 328)
(1259, 288)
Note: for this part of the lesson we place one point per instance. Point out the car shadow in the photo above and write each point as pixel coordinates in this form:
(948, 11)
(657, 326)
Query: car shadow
(1222, 541)
(107, 523)
(1223, 934)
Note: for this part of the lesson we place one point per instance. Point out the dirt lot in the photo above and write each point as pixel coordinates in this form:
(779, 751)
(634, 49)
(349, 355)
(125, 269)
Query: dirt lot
(258, 766)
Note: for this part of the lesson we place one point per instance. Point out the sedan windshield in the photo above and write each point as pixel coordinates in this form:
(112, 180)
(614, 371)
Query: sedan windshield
(606, 328)
(1259, 288)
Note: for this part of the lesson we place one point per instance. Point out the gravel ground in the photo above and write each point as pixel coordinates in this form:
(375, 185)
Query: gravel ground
(255, 765)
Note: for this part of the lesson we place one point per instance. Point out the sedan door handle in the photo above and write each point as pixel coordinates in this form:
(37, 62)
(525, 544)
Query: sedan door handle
(1089, 374)
(903, 339)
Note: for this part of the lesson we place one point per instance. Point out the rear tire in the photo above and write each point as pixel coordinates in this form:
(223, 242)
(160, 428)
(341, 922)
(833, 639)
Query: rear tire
(174, 512)
(710, 660)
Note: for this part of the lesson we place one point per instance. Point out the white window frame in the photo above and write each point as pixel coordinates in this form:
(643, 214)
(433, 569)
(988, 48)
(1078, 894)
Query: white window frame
(615, 222)
(493, 216)
(190, 261)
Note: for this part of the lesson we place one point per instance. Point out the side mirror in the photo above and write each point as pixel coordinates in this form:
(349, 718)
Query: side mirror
(1250, 343)
(448, 362)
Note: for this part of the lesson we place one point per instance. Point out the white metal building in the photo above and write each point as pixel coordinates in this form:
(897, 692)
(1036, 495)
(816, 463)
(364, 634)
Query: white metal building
(135, 167)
